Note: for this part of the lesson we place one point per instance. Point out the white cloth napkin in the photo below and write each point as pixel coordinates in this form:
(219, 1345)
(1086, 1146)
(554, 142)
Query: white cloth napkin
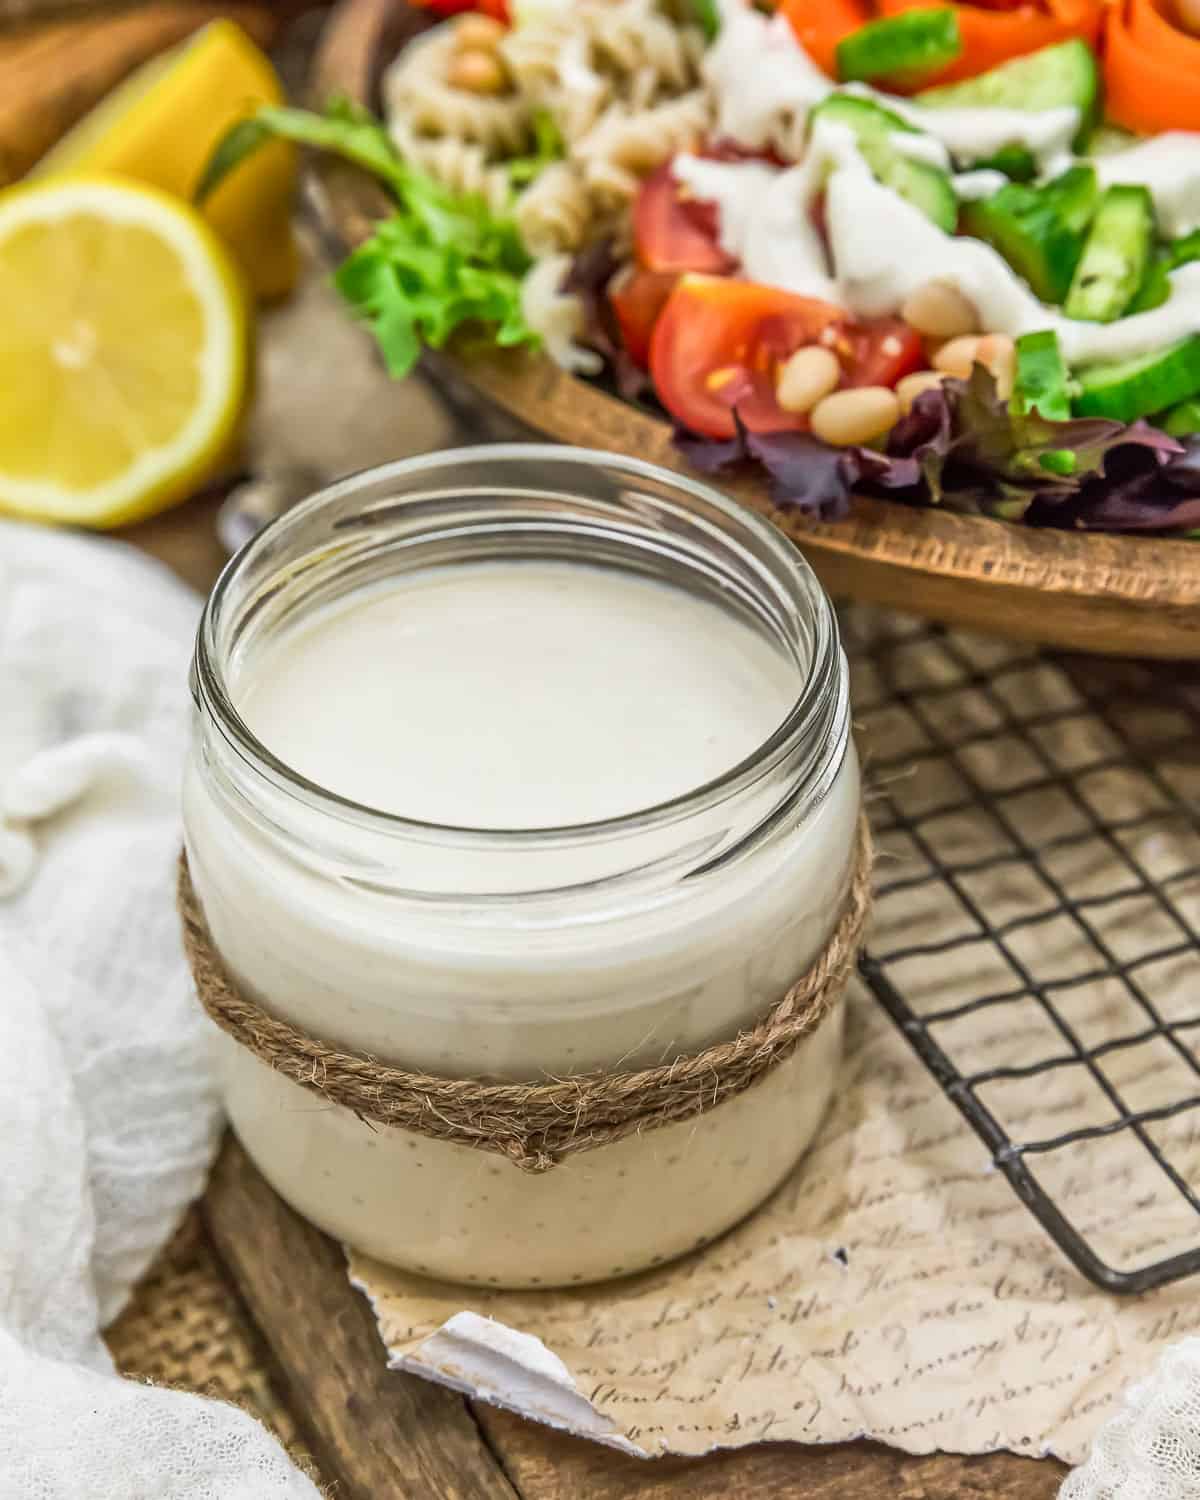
(108, 1112)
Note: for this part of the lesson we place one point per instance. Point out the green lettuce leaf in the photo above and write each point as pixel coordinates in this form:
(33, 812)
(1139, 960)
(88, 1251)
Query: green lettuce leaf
(440, 262)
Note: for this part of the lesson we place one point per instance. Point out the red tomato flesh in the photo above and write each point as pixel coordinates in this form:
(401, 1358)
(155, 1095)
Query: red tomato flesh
(498, 9)
(672, 233)
(637, 298)
(882, 351)
(718, 343)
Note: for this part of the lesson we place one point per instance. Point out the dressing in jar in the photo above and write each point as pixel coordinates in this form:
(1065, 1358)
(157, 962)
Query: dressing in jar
(518, 763)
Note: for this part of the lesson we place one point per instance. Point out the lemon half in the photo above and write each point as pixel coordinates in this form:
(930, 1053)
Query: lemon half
(161, 125)
(124, 350)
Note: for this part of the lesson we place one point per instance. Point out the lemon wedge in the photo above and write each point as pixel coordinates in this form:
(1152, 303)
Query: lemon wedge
(161, 125)
(124, 350)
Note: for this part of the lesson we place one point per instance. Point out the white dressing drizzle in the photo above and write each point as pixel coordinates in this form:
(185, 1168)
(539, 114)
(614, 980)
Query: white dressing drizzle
(976, 134)
(765, 218)
(765, 84)
(918, 147)
(877, 272)
(765, 213)
(763, 81)
(1169, 166)
(975, 185)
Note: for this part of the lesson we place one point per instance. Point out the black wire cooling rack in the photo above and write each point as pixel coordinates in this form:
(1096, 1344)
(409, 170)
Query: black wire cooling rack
(1037, 920)
(1038, 821)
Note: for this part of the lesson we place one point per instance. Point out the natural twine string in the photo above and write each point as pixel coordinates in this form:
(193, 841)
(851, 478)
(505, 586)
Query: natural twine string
(534, 1125)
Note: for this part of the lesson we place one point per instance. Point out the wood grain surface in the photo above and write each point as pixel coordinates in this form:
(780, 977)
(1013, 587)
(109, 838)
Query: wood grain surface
(380, 1433)
(1107, 594)
(377, 1433)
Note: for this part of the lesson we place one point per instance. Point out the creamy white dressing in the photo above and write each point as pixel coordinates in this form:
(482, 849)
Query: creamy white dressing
(975, 134)
(519, 694)
(918, 147)
(876, 273)
(973, 186)
(1169, 166)
(764, 221)
(765, 82)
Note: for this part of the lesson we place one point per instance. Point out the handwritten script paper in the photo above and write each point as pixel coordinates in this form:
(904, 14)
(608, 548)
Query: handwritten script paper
(896, 1288)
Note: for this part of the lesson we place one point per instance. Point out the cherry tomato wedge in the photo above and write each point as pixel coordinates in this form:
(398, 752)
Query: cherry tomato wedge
(673, 234)
(497, 9)
(637, 298)
(882, 351)
(992, 35)
(718, 344)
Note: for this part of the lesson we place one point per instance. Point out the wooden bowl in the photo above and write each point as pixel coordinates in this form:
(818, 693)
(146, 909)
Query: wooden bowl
(1115, 595)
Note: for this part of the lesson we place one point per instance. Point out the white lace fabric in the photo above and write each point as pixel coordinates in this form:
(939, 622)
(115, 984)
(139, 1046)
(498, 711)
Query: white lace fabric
(1151, 1449)
(108, 1111)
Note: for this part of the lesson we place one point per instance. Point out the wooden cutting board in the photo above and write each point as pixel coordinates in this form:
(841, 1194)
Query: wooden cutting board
(53, 71)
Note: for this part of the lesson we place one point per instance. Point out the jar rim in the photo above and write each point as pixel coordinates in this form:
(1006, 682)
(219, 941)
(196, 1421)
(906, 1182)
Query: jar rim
(820, 674)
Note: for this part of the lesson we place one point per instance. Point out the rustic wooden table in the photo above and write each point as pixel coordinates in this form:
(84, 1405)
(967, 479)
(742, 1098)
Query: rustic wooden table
(379, 1435)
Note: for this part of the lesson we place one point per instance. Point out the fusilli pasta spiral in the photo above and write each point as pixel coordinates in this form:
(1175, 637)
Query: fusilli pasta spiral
(622, 146)
(555, 211)
(462, 166)
(417, 96)
(619, 80)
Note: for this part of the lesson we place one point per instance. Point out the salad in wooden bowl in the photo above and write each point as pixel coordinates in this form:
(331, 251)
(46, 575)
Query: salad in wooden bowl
(892, 269)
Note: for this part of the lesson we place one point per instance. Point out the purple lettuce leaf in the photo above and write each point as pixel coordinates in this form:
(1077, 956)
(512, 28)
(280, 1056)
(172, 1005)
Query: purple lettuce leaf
(804, 474)
(1165, 498)
(962, 447)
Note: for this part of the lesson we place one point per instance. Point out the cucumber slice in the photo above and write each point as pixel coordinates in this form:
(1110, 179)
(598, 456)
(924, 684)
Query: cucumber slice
(1041, 383)
(924, 185)
(1065, 73)
(1017, 164)
(1038, 230)
(1134, 388)
(871, 122)
(1107, 138)
(1182, 420)
(1114, 260)
(1184, 249)
(902, 49)
(1156, 285)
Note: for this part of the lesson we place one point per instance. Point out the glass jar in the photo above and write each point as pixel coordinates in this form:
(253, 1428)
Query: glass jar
(527, 953)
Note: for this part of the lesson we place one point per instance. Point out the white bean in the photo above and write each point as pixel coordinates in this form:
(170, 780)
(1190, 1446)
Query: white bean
(475, 32)
(912, 386)
(939, 311)
(957, 356)
(996, 352)
(810, 374)
(477, 72)
(855, 416)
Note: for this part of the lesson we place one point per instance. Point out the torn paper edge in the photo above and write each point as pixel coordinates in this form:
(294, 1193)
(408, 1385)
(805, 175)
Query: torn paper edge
(489, 1361)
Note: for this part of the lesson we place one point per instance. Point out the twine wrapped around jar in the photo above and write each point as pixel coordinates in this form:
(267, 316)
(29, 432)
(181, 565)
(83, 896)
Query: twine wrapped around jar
(535, 1125)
